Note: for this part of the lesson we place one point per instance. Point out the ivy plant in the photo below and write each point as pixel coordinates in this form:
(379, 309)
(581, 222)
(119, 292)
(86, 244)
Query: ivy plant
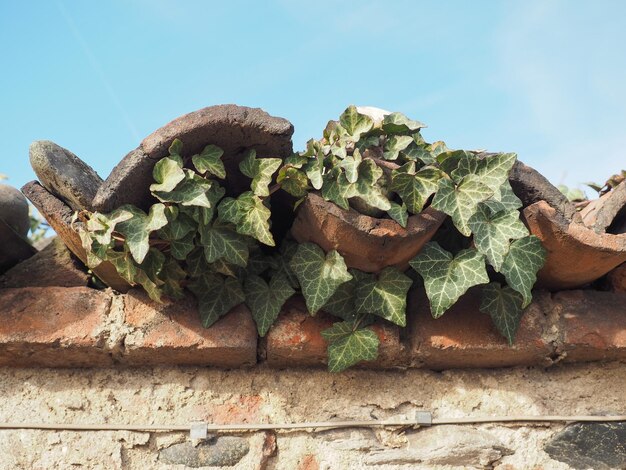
(219, 246)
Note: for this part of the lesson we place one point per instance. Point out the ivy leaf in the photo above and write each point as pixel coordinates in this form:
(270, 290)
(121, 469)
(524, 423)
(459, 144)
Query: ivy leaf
(147, 274)
(345, 350)
(342, 302)
(181, 248)
(399, 213)
(460, 202)
(355, 123)
(418, 153)
(504, 305)
(137, 230)
(216, 296)
(172, 275)
(493, 170)
(281, 263)
(450, 160)
(394, 145)
(249, 215)
(220, 241)
(102, 226)
(176, 148)
(350, 164)
(398, 123)
(210, 161)
(179, 225)
(526, 256)
(294, 181)
(415, 187)
(447, 277)
(191, 191)
(167, 173)
(196, 264)
(319, 274)
(335, 189)
(261, 171)
(365, 187)
(384, 295)
(124, 265)
(504, 199)
(265, 300)
(338, 331)
(493, 232)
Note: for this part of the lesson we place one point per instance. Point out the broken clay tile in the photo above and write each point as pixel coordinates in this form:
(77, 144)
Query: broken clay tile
(366, 243)
(576, 255)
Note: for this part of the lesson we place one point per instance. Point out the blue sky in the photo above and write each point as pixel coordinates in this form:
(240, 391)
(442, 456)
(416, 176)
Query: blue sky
(546, 79)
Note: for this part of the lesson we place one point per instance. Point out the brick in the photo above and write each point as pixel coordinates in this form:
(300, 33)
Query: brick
(295, 340)
(592, 325)
(53, 266)
(464, 337)
(54, 327)
(172, 333)
(616, 279)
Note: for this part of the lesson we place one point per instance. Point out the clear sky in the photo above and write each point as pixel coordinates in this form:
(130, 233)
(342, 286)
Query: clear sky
(546, 79)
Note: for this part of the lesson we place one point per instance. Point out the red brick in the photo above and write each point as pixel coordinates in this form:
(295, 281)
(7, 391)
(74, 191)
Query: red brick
(295, 340)
(464, 337)
(308, 462)
(173, 334)
(592, 325)
(54, 327)
(616, 279)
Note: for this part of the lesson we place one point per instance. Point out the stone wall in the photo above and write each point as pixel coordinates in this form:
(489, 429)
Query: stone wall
(180, 395)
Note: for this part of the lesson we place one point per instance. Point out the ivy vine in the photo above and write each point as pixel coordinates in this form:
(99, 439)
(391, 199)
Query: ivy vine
(221, 247)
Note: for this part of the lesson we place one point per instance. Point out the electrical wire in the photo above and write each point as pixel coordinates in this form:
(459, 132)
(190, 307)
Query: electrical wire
(313, 425)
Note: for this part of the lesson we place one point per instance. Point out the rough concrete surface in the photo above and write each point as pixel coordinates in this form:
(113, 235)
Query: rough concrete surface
(181, 395)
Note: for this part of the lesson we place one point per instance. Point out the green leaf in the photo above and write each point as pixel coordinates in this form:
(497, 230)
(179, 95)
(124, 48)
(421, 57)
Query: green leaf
(176, 148)
(210, 161)
(398, 123)
(355, 123)
(504, 305)
(319, 274)
(336, 188)
(460, 202)
(384, 295)
(124, 265)
(399, 213)
(216, 296)
(504, 199)
(494, 231)
(342, 302)
(418, 153)
(167, 173)
(415, 187)
(281, 262)
(350, 164)
(294, 181)
(181, 248)
(249, 215)
(172, 275)
(196, 264)
(261, 171)
(191, 191)
(360, 345)
(265, 300)
(102, 226)
(338, 331)
(447, 277)
(493, 170)
(394, 145)
(526, 256)
(220, 241)
(136, 231)
(365, 187)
